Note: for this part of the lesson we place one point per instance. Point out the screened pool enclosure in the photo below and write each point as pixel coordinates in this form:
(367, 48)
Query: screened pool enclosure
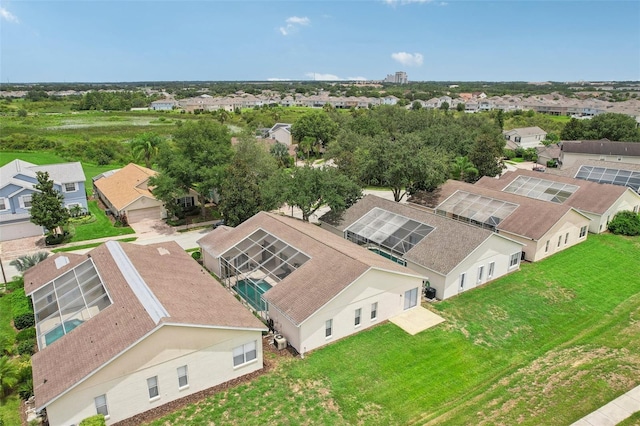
(478, 210)
(256, 264)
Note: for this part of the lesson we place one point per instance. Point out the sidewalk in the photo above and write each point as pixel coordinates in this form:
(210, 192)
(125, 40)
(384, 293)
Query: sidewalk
(614, 412)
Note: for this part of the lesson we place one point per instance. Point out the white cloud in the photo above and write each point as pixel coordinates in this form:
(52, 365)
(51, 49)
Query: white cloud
(320, 76)
(357, 78)
(8, 16)
(408, 59)
(278, 79)
(296, 20)
(293, 23)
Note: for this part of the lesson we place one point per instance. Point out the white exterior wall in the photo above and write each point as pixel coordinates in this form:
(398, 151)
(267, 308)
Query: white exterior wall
(144, 203)
(385, 288)
(531, 141)
(207, 353)
(569, 159)
(282, 136)
(210, 262)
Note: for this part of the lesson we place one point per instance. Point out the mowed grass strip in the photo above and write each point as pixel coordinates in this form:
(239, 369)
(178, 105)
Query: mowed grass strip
(101, 228)
(546, 345)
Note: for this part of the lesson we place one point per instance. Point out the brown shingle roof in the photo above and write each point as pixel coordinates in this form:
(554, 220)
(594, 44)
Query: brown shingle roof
(333, 265)
(532, 218)
(441, 250)
(602, 147)
(188, 293)
(590, 197)
(126, 185)
(572, 170)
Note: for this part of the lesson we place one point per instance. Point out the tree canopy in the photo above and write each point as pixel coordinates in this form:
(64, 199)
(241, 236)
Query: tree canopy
(47, 205)
(612, 126)
(316, 125)
(145, 147)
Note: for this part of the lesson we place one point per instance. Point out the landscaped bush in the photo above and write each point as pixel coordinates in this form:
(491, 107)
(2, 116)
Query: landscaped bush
(625, 223)
(27, 347)
(176, 222)
(23, 321)
(26, 334)
(196, 255)
(52, 240)
(20, 303)
(97, 420)
(508, 153)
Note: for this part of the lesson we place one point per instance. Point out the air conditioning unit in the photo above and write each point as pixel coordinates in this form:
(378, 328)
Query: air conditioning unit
(280, 342)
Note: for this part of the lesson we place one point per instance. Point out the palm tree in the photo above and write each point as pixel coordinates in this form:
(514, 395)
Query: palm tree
(145, 147)
(281, 153)
(463, 169)
(27, 261)
(8, 376)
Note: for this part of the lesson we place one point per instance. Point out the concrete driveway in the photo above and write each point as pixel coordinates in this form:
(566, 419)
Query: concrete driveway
(151, 228)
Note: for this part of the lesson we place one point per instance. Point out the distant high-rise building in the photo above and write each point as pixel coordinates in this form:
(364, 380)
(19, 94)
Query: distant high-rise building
(400, 77)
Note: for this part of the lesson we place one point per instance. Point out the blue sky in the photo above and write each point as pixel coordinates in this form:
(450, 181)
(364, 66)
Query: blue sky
(109, 41)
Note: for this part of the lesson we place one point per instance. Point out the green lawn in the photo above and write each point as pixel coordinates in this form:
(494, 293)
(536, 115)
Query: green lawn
(546, 345)
(7, 333)
(10, 411)
(101, 228)
(92, 245)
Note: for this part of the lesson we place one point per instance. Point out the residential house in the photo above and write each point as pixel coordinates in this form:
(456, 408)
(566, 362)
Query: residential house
(164, 105)
(544, 228)
(627, 174)
(525, 137)
(573, 152)
(389, 100)
(548, 154)
(17, 179)
(127, 328)
(282, 133)
(598, 201)
(454, 256)
(315, 286)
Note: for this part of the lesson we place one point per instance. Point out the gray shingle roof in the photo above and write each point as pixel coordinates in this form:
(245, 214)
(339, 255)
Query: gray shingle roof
(333, 265)
(189, 294)
(63, 172)
(602, 147)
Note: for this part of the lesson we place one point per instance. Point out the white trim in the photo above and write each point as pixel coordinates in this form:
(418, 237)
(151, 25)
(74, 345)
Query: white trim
(21, 201)
(6, 204)
(64, 187)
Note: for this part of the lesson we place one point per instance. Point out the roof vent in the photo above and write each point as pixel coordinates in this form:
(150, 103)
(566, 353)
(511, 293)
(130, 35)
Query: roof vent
(163, 251)
(61, 261)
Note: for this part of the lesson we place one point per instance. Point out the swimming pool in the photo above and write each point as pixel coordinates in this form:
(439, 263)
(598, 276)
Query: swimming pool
(252, 292)
(58, 332)
(398, 260)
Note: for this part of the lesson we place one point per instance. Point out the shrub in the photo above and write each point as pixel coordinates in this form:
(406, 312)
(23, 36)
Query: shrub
(25, 389)
(97, 420)
(27, 347)
(20, 304)
(52, 240)
(625, 223)
(509, 153)
(23, 321)
(26, 334)
(196, 255)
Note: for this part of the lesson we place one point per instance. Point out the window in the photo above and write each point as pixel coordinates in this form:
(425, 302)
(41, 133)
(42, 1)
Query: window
(374, 311)
(492, 266)
(518, 139)
(183, 378)
(185, 202)
(559, 240)
(463, 276)
(328, 328)
(357, 317)
(152, 384)
(514, 260)
(25, 202)
(4, 205)
(101, 405)
(480, 273)
(566, 238)
(244, 353)
(635, 209)
(69, 187)
(546, 247)
(583, 231)
(410, 298)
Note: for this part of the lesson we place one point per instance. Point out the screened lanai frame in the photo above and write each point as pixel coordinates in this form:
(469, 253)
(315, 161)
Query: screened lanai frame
(68, 301)
(386, 230)
(257, 263)
(541, 189)
(478, 210)
(620, 177)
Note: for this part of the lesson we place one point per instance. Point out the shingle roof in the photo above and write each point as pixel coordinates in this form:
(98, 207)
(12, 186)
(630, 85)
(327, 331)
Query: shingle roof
(590, 197)
(188, 293)
(602, 147)
(333, 265)
(126, 185)
(571, 171)
(63, 172)
(532, 218)
(525, 131)
(441, 250)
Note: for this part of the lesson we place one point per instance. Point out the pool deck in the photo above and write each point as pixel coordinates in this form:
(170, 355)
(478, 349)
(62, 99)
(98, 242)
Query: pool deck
(416, 320)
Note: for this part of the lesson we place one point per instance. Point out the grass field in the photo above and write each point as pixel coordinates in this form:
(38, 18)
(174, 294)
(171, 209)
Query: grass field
(102, 227)
(546, 345)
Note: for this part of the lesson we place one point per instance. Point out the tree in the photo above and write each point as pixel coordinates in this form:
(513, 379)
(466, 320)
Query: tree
(500, 119)
(145, 147)
(612, 126)
(27, 261)
(198, 160)
(463, 169)
(310, 188)
(280, 152)
(166, 189)
(460, 107)
(245, 189)
(626, 223)
(573, 130)
(444, 106)
(47, 205)
(486, 154)
(316, 125)
(416, 105)
(8, 376)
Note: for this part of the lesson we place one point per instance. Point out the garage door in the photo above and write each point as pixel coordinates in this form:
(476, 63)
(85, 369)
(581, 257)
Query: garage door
(134, 216)
(13, 231)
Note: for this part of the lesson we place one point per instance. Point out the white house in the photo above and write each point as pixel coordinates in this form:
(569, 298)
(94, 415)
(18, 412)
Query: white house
(574, 152)
(524, 137)
(455, 256)
(282, 133)
(17, 179)
(127, 328)
(315, 286)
